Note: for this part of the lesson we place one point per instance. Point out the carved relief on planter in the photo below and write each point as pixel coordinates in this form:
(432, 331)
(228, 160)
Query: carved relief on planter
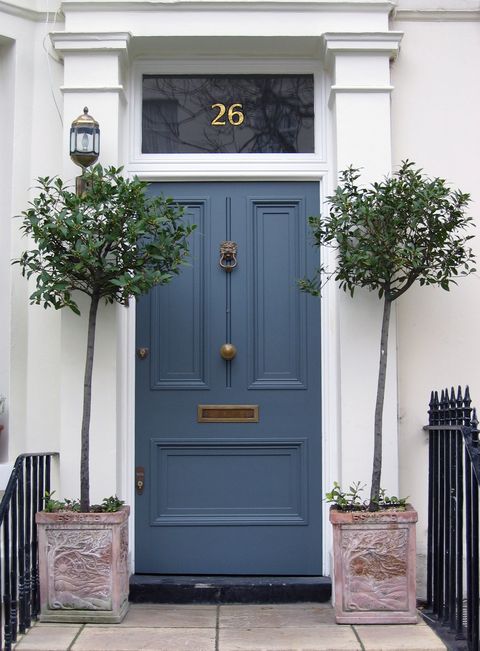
(79, 569)
(374, 567)
(122, 563)
(377, 576)
(83, 561)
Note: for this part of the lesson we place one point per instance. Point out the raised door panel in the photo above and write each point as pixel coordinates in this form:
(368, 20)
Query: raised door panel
(229, 482)
(277, 350)
(179, 339)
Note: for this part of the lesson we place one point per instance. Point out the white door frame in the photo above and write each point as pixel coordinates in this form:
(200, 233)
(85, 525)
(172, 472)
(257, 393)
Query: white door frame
(240, 167)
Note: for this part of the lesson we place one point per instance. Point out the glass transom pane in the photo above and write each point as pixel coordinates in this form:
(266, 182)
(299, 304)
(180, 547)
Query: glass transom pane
(252, 114)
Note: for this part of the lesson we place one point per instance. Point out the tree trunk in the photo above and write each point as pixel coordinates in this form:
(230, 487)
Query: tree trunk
(87, 405)
(378, 427)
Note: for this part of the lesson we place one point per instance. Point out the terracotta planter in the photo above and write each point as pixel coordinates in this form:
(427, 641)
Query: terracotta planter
(374, 566)
(83, 564)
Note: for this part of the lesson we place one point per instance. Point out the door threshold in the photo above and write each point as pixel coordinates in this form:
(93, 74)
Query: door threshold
(157, 588)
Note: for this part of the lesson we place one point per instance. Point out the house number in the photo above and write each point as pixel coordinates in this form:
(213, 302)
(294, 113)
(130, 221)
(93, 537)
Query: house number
(234, 114)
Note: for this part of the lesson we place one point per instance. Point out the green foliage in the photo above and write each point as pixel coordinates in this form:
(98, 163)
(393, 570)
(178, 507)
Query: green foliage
(385, 502)
(386, 237)
(110, 504)
(52, 505)
(111, 242)
(345, 501)
(351, 500)
(397, 231)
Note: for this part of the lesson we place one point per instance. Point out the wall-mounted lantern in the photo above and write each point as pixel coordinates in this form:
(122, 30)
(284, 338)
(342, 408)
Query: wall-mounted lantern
(84, 144)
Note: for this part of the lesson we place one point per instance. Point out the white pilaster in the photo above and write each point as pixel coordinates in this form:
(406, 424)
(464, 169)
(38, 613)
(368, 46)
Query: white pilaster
(359, 66)
(93, 77)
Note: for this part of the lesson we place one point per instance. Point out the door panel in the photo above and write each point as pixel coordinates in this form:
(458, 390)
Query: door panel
(232, 497)
(179, 342)
(277, 341)
(193, 477)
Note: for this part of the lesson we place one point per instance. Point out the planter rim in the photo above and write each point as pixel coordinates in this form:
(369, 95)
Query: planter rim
(74, 517)
(367, 517)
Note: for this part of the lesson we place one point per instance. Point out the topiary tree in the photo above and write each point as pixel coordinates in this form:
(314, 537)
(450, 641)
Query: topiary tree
(387, 236)
(110, 243)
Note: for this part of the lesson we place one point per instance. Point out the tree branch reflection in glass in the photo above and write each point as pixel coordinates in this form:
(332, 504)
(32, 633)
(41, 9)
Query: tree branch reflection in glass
(228, 114)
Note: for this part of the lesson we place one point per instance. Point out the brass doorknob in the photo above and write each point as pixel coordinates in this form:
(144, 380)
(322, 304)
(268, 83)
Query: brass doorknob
(228, 351)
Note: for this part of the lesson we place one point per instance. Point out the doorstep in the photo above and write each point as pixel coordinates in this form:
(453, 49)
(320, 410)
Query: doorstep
(161, 589)
(280, 627)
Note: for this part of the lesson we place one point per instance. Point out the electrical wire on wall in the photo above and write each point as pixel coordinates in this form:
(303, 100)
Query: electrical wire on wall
(49, 54)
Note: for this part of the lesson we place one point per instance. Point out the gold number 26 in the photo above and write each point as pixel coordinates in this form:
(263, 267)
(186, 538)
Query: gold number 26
(234, 113)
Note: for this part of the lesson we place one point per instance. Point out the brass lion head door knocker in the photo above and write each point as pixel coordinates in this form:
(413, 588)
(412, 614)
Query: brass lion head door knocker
(228, 255)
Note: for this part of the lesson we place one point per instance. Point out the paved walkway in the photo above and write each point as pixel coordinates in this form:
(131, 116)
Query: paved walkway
(297, 627)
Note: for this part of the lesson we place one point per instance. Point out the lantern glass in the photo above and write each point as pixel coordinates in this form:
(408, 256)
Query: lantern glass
(84, 140)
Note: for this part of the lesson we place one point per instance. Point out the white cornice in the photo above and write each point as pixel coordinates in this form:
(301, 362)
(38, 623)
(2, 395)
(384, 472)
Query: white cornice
(386, 43)
(385, 6)
(379, 38)
(434, 15)
(28, 14)
(91, 41)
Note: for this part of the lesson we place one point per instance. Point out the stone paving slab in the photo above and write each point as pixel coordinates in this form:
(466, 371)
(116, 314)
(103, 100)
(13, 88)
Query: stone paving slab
(399, 638)
(282, 627)
(281, 615)
(95, 638)
(48, 637)
(170, 616)
(314, 638)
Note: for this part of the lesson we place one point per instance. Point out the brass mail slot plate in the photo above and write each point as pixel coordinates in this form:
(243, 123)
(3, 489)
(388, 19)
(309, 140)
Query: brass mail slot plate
(227, 413)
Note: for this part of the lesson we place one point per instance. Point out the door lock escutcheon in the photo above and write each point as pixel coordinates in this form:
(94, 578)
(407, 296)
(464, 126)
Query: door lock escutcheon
(142, 353)
(139, 479)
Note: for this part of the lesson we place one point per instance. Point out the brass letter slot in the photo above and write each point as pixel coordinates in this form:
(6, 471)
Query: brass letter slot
(227, 413)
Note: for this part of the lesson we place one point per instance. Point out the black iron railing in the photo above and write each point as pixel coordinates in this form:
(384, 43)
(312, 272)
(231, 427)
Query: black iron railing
(453, 517)
(19, 587)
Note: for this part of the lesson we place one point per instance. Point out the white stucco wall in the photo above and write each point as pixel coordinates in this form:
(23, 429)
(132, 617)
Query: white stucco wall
(435, 123)
(29, 352)
(7, 71)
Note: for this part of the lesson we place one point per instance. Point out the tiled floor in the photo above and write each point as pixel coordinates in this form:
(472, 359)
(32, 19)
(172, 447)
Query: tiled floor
(298, 627)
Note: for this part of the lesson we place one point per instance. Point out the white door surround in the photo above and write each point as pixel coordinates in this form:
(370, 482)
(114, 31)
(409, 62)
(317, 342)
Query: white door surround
(348, 47)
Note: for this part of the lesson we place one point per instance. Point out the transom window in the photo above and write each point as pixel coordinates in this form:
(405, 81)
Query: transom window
(228, 114)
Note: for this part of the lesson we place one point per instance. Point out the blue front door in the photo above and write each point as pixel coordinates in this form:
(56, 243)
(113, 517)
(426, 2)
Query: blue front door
(231, 449)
